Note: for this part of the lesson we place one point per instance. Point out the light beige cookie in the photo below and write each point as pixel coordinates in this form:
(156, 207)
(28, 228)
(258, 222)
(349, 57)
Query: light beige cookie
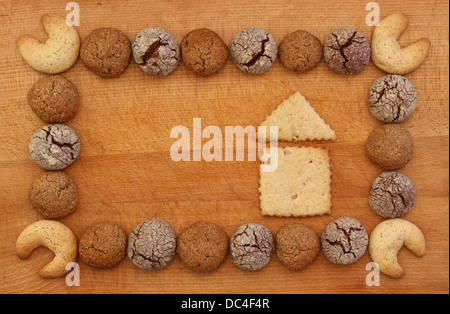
(58, 53)
(53, 235)
(300, 185)
(387, 239)
(388, 55)
(297, 121)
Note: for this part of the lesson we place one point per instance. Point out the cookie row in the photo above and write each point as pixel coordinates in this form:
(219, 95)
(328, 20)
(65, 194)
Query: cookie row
(203, 246)
(107, 51)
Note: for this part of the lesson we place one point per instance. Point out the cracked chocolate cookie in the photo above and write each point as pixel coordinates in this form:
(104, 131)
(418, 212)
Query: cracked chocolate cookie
(106, 52)
(103, 244)
(204, 52)
(54, 195)
(344, 241)
(346, 51)
(390, 146)
(300, 51)
(297, 245)
(203, 247)
(392, 195)
(253, 50)
(54, 146)
(54, 99)
(392, 98)
(156, 51)
(152, 244)
(252, 246)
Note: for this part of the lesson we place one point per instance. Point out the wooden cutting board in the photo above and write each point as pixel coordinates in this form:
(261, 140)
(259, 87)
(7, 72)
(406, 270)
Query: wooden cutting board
(125, 174)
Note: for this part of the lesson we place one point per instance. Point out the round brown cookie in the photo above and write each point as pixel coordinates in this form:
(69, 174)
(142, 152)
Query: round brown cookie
(54, 195)
(297, 246)
(103, 244)
(203, 247)
(106, 52)
(253, 50)
(392, 195)
(300, 51)
(152, 244)
(390, 146)
(346, 51)
(392, 98)
(54, 99)
(344, 241)
(252, 246)
(204, 52)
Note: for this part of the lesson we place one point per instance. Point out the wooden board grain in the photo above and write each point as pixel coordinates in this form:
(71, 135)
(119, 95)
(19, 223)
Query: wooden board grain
(125, 173)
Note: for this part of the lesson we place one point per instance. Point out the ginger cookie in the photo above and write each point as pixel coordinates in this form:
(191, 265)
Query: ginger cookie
(54, 195)
(297, 246)
(103, 244)
(300, 51)
(203, 246)
(390, 146)
(204, 52)
(54, 99)
(106, 52)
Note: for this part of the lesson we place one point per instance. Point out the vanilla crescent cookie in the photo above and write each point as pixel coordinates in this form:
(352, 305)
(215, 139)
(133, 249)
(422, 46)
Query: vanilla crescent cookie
(388, 238)
(388, 55)
(58, 53)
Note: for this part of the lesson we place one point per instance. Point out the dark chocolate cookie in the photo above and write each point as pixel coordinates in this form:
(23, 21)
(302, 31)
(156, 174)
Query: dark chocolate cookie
(346, 51)
(252, 246)
(204, 52)
(392, 98)
(344, 241)
(152, 244)
(253, 50)
(392, 195)
(106, 52)
(156, 51)
(54, 146)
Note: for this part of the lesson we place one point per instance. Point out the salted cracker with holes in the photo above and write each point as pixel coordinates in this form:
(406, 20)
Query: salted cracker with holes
(298, 121)
(300, 186)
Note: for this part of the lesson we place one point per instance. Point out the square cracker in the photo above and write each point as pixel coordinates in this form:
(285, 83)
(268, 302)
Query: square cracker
(300, 186)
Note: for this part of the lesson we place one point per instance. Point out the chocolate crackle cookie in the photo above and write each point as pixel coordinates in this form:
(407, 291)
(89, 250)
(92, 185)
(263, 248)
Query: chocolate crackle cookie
(152, 244)
(392, 98)
(203, 246)
(54, 195)
(251, 246)
(156, 51)
(54, 146)
(253, 50)
(346, 51)
(54, 99)
(103, 244)
(106, 52)
(300, 51)
(204, 52)
(392, 195)
(344, 241)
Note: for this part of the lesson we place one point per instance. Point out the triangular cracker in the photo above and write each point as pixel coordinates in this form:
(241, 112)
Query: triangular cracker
(298, 121)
